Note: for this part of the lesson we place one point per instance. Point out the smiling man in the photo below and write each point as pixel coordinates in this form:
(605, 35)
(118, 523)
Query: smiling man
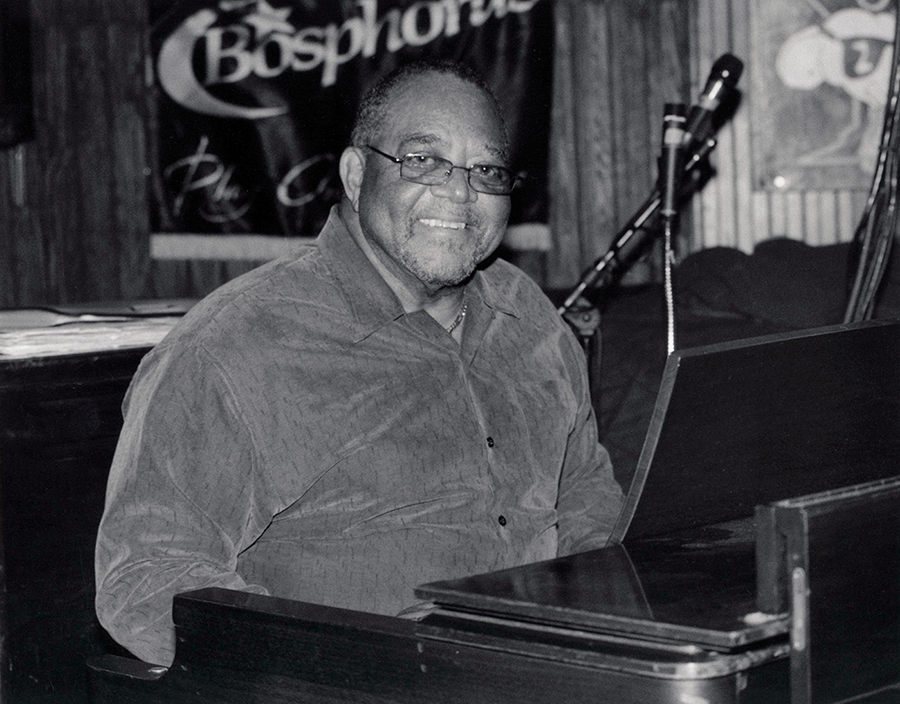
(390, 409)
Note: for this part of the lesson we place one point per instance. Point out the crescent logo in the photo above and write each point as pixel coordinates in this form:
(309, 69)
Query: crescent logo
(178, 80)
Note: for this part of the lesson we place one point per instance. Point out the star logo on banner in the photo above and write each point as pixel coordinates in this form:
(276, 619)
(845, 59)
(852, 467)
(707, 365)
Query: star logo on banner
(266, 19)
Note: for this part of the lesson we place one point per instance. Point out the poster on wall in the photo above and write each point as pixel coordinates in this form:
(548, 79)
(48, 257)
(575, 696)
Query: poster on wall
(255, 101)
(821, 75)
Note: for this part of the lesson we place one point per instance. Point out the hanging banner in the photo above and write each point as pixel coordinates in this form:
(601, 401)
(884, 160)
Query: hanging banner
(255, 101)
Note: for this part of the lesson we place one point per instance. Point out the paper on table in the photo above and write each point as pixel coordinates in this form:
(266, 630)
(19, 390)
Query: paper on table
(82, 335)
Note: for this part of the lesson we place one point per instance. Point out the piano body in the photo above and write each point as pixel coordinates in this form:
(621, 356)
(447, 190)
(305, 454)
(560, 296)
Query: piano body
(61, 417)
(237, 647)
(63, 374)
(670, 620)
(728, 587)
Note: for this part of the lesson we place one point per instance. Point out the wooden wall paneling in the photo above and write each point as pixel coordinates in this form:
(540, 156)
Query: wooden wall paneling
(850, 208)
(744, 202)
(817, 231)
(831, 233)
(17, 229)
(617, 64)
(760, 213)
(846, 220)
(794, 221)
(631, 27)
(54, 157)
(53, 154)
(704, 207)
(109, 123)
(721, 41)
(676, 86)
(655, 74)
(597, 140)
(859, 199)
(831, 218)
(718, 199)
(627, 75)
(170, 278)
(777, 213)
(595, 137)
(92, 254)
(812, 228)
(723, 208)
(79, 232)
(651, 58)
(25, 247)
(595, 133)
(130, 177)
(581, 183)
(715, 204)
(563, 160)
(193, 278)
(824, 222)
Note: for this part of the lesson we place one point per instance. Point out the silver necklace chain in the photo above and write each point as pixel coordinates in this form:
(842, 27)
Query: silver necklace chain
(457, 321)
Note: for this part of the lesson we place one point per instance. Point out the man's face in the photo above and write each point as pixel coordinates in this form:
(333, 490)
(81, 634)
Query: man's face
(433, 235)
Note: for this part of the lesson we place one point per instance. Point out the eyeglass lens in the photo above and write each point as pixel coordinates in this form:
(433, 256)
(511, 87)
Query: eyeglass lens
(432, 170)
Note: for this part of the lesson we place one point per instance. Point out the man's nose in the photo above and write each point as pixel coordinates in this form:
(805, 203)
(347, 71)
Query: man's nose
(457, 187)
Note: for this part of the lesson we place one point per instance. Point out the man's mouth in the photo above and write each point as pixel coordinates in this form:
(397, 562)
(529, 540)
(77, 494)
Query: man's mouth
(446, 224)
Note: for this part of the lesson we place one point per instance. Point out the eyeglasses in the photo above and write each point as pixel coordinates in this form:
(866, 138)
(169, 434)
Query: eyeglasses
(432, 170)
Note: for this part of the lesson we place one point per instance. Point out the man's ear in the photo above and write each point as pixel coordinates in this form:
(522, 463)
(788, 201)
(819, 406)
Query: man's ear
(351, 168)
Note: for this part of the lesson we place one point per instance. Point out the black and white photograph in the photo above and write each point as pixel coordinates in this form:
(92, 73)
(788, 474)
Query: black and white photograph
(449, 352)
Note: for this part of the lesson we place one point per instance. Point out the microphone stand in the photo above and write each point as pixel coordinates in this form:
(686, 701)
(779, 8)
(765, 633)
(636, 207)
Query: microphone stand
(671, 170)
(610, 263)
(579, 313)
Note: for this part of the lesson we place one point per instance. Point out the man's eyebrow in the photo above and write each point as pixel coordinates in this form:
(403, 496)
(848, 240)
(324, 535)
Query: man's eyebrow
(497, 152)
(428, 139)
(422, 138)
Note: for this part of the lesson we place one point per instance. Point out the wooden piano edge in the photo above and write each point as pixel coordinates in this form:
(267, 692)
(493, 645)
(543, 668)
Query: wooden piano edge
(277, 650)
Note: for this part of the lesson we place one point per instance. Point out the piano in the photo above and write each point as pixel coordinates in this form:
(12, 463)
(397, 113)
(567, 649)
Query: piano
(698, 603)
(63, 374)
(759, 562)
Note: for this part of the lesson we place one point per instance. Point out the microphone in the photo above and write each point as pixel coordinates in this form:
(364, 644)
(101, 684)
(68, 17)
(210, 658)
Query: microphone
(696, 142)
(671, 163)
(725, 73)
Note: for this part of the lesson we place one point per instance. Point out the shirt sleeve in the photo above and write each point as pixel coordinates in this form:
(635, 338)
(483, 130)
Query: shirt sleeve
(183, 499)
(589, 499)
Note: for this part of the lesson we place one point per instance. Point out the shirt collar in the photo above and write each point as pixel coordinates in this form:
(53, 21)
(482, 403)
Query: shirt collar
(371, 301)
(492, 292)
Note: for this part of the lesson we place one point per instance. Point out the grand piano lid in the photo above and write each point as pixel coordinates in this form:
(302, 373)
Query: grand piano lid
(743, 423)
(696, 588)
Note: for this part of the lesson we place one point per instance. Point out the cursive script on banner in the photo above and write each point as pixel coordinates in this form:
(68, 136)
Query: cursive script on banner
(207, 177)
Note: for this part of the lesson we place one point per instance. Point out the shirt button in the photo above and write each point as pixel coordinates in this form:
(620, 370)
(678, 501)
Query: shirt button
(502, 520)
(490, 442)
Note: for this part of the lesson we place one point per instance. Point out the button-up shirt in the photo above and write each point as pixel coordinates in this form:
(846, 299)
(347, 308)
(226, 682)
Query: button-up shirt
(299, 434)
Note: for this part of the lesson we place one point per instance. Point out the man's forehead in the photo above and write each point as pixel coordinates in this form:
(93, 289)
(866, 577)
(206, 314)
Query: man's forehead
(428, 108)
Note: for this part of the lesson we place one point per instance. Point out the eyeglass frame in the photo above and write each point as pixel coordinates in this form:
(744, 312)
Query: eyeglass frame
(401, 160)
